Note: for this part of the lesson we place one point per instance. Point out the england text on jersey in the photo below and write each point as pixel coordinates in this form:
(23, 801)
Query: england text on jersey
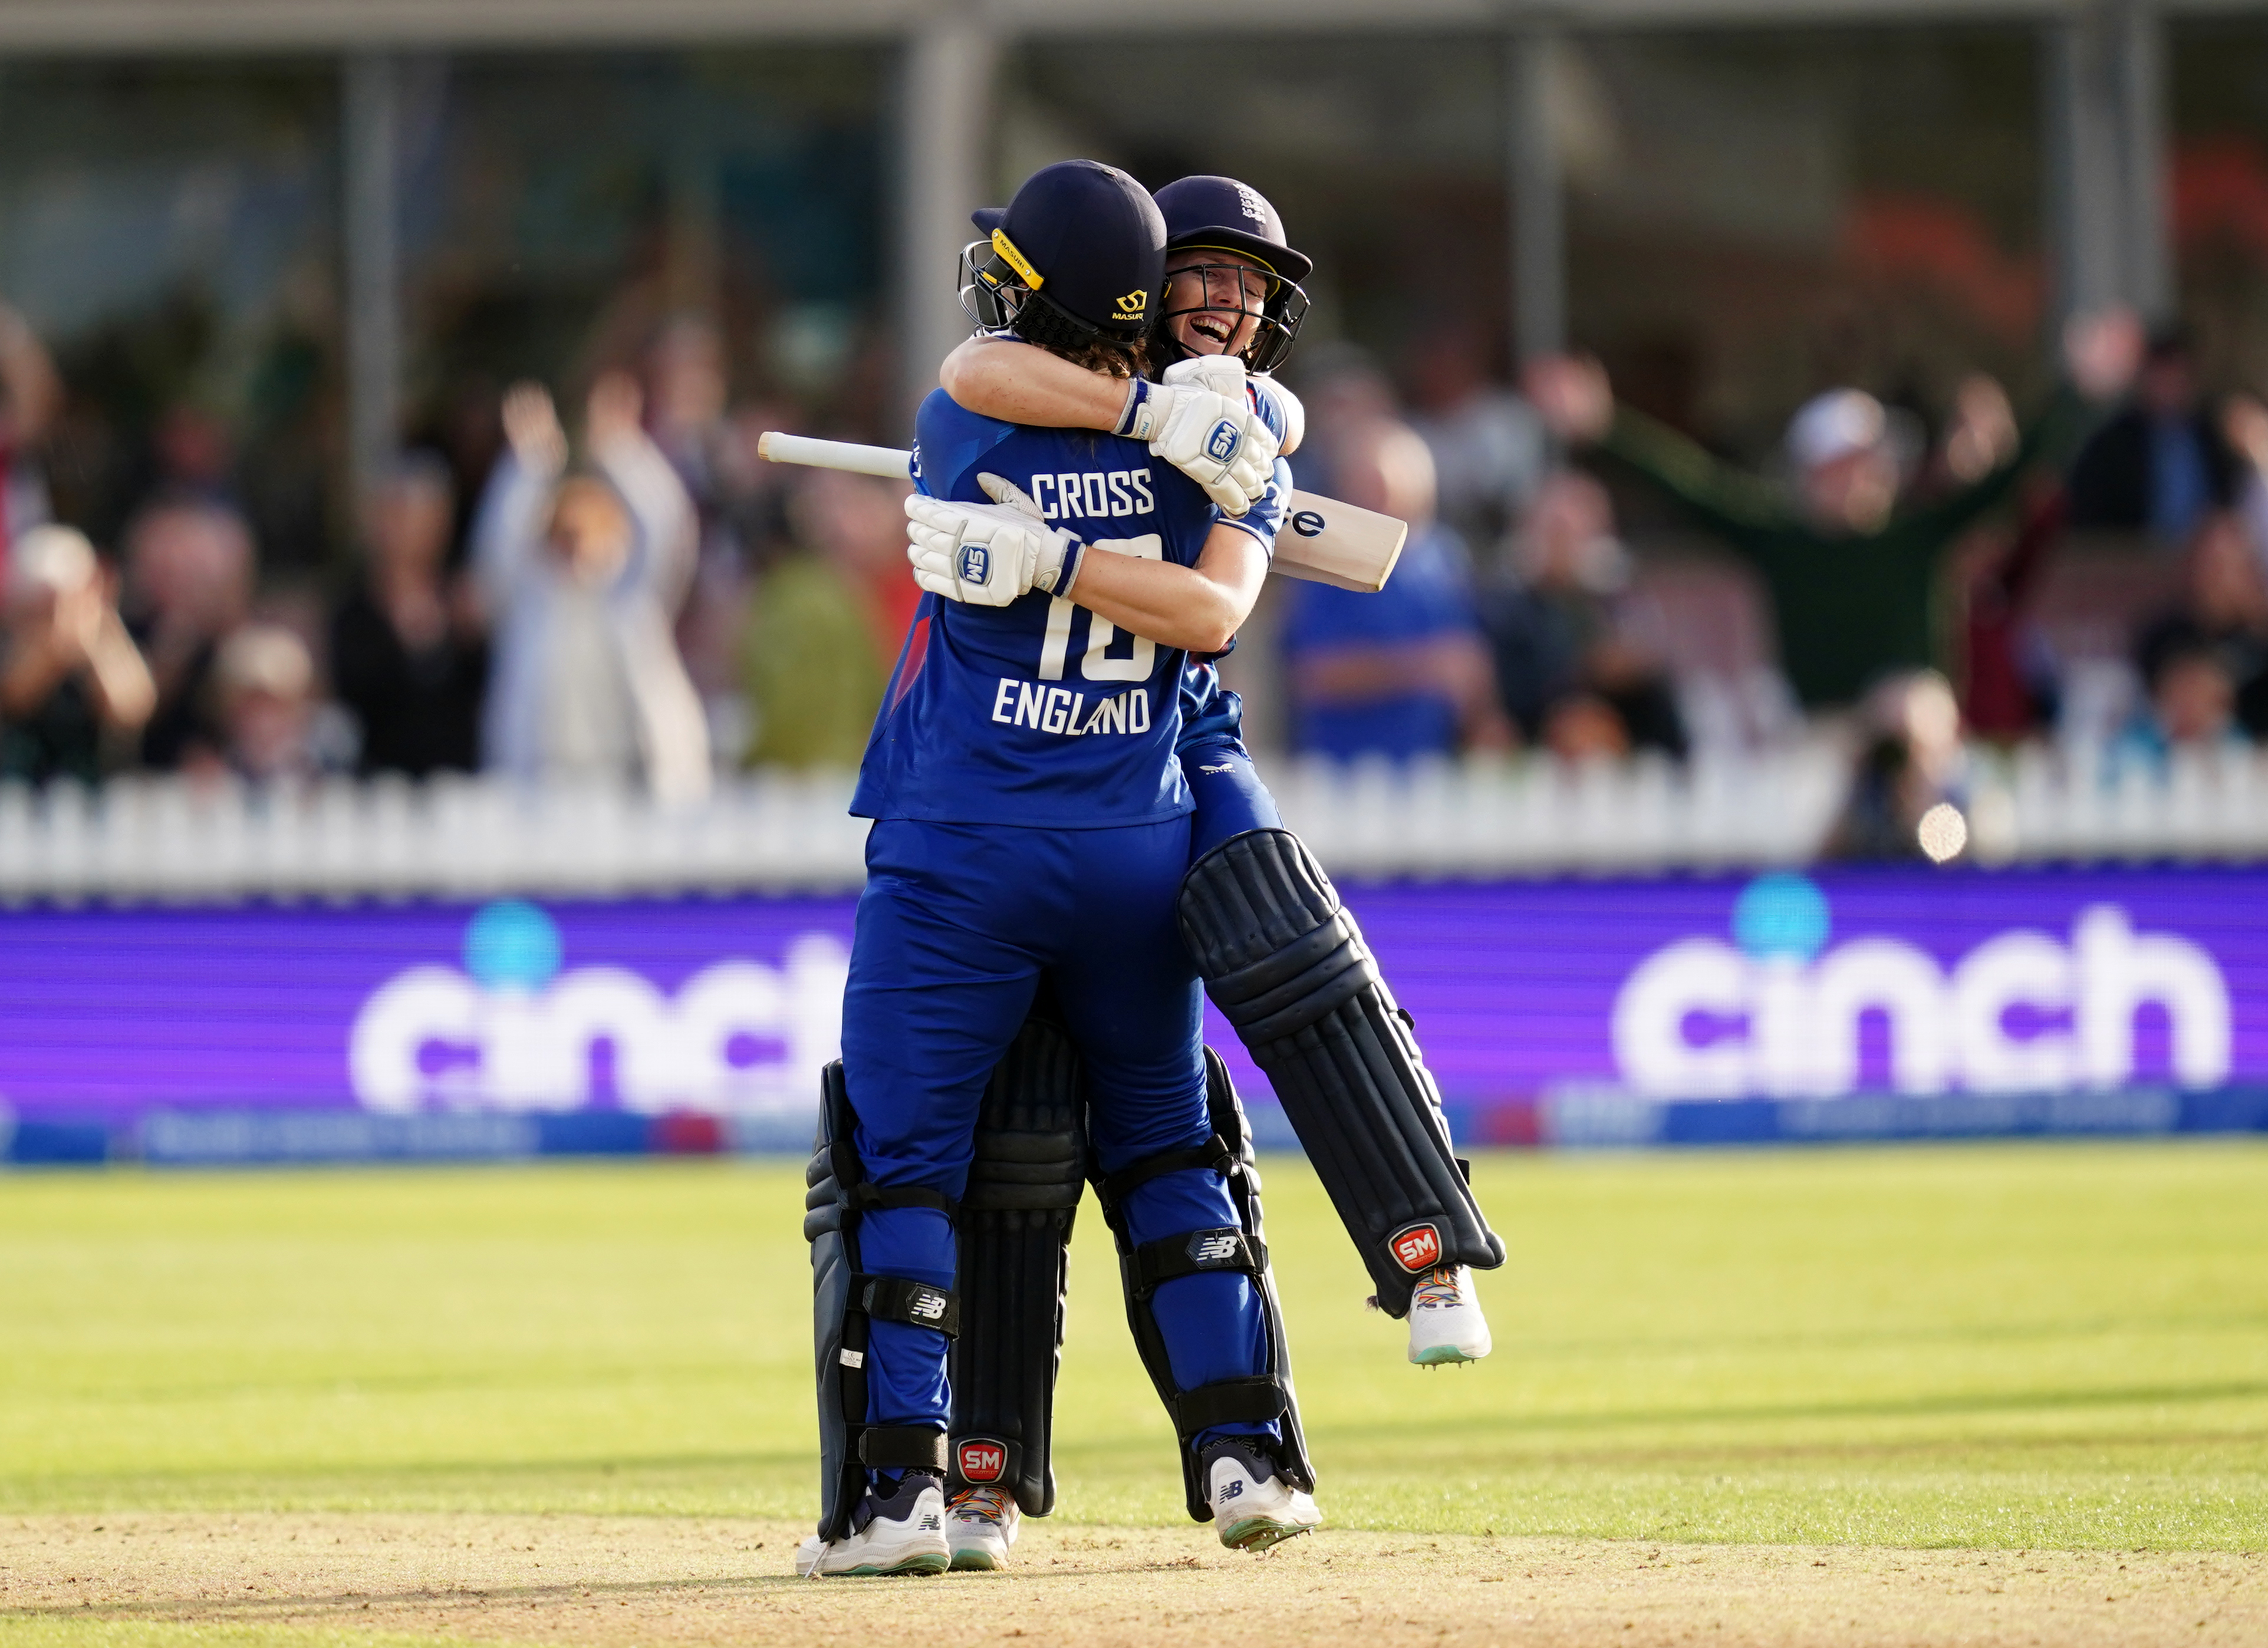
(1061, 710)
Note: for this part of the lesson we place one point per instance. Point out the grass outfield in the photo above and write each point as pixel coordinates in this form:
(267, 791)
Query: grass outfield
(2001, 1347)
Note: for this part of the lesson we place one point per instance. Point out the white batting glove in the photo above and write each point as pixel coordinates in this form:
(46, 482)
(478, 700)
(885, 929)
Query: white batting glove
(989, 554)
(1201, 420)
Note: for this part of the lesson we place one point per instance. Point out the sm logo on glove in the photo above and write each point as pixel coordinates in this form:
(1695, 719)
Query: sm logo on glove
(975, 562)
(1221, 444)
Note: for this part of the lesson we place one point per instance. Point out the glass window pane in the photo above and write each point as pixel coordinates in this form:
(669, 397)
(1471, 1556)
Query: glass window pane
(560, 208)
(2219, 195)
(170, 231)
(1755, 216)
(1751, 213)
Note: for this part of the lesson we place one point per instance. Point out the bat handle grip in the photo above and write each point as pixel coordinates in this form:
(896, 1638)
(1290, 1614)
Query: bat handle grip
(890, 462)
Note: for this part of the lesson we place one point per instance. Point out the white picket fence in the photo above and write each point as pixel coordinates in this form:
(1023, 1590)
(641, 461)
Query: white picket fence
(162, 839)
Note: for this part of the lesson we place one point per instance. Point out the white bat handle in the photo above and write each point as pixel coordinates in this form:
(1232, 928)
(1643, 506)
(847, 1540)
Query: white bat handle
(1327, 542)
(890, 462)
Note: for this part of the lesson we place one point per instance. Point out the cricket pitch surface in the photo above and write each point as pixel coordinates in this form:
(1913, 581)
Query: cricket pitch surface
(608, 1581)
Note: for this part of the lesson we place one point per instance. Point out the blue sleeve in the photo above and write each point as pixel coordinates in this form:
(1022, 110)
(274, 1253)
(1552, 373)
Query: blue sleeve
(1210, 712)
(950, 442)
(1270, 408)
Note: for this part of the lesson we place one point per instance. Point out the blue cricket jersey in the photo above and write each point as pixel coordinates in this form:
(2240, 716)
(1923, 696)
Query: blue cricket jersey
(1040, 712)
(1211, 714)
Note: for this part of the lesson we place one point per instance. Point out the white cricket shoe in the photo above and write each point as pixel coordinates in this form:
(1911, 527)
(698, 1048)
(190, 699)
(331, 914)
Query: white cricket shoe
(980, 1525)
(903, 1533)
(1446, 1324)
(1254, 1508)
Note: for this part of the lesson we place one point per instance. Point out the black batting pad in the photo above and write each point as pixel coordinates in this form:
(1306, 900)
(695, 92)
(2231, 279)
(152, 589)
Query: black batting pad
(1024, 1188)
(1286, 962)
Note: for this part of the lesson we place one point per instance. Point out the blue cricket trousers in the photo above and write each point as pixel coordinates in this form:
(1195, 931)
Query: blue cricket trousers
(955, 924)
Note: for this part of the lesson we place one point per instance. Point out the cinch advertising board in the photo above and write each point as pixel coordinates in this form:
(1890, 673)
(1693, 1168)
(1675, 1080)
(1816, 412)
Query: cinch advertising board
(1533, 999)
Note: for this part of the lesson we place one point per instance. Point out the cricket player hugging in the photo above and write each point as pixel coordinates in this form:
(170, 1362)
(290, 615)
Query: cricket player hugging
(1298, 981)
(1023, 1011)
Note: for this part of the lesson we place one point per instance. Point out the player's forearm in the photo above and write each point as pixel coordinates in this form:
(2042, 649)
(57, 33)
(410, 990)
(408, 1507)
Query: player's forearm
(1016, 383)
(1197, 609)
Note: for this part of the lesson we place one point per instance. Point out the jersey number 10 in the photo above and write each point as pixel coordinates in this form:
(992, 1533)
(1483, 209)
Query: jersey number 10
(1098, 664)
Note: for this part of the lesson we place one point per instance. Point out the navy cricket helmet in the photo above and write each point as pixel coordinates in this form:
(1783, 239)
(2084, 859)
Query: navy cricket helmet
(1075, 258)
(1206, 213)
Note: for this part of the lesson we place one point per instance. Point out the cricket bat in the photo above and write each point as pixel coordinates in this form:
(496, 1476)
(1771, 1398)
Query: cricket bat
(1322, 539)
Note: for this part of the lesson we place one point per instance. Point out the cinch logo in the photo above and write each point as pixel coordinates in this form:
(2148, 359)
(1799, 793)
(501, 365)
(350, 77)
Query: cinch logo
(514, 1032)
(1417, 1248)
(975, 562)
(1221, 444)
(983, 1460)
(1779, 1013)
(1208, 1248)
(1133, 305)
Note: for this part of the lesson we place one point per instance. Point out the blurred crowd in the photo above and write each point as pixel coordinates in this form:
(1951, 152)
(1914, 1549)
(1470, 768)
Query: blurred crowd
(617, 589)
(1917, 584)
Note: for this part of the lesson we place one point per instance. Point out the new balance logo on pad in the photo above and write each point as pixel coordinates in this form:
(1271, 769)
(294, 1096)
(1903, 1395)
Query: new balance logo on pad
(1208, 1248)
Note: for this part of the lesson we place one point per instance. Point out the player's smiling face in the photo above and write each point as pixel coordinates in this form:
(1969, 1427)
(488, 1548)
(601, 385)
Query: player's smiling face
(1213, 300)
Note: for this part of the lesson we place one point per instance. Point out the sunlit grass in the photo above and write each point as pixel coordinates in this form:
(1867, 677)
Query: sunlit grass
(2018, 1346)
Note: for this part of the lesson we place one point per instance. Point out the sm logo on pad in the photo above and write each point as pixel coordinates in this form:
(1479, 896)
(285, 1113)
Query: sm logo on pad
(975, 562)
(981, 1459)
(1417, 1248)
(1221, 444)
